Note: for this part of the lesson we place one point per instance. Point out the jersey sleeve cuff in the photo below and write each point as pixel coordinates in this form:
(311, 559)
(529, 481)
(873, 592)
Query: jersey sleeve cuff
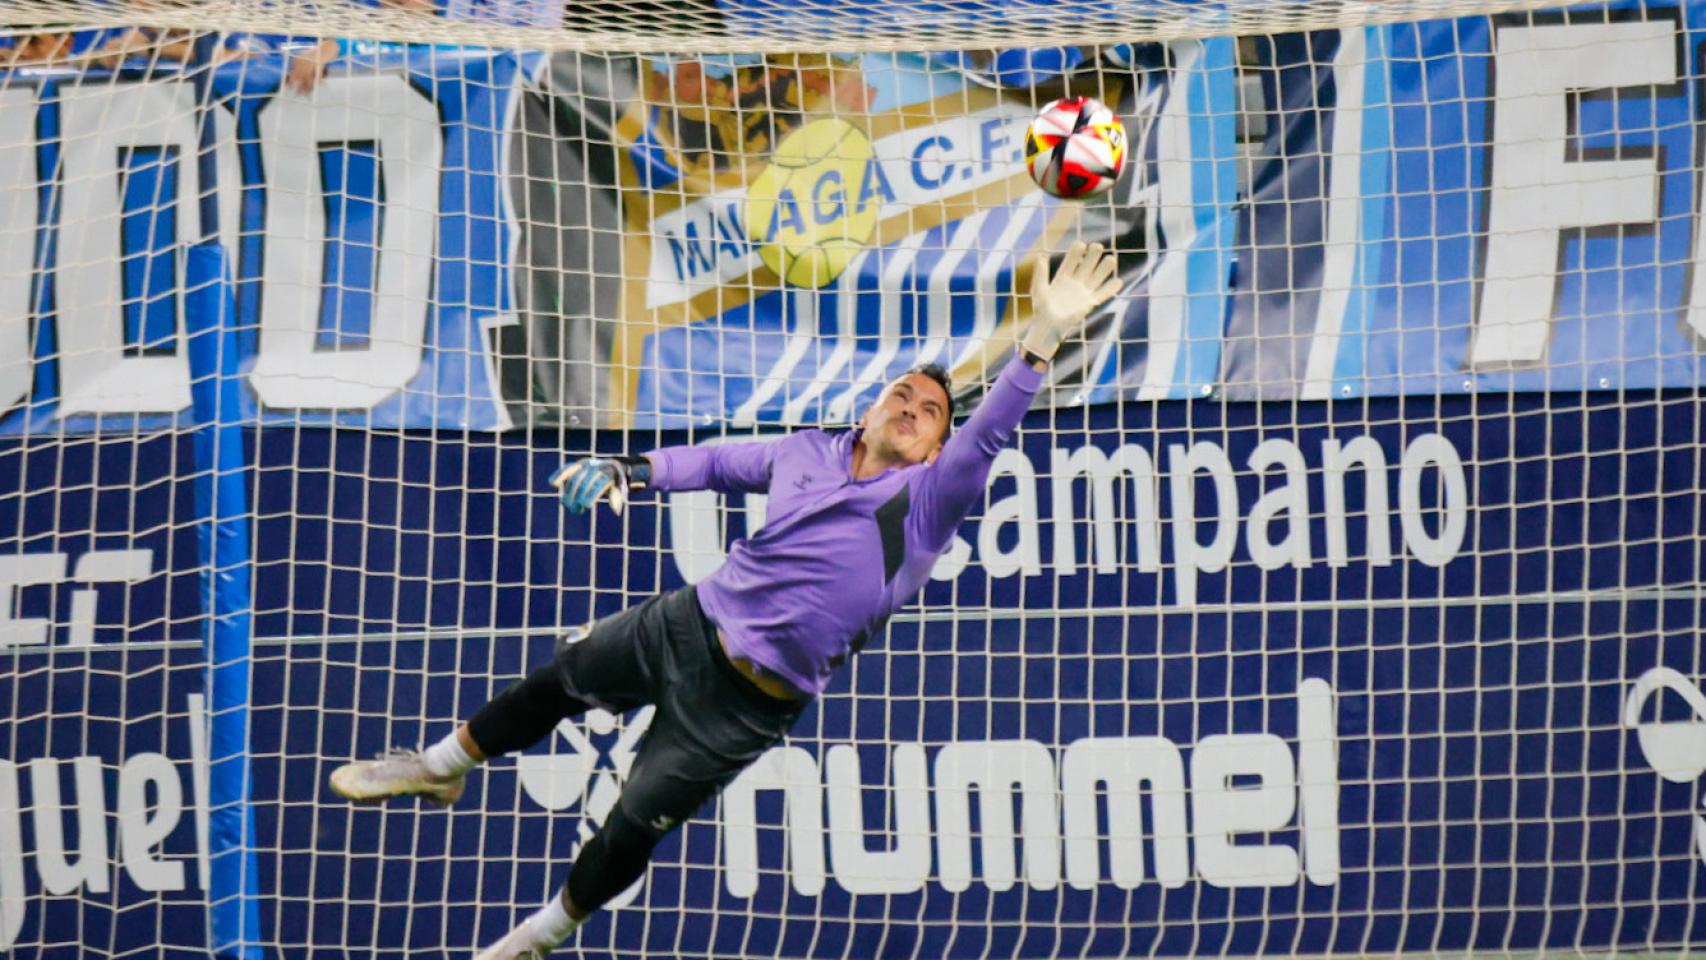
(663, 468)
(1022, 375)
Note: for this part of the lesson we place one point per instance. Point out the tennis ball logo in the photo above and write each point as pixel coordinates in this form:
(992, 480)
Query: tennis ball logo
(817, 204)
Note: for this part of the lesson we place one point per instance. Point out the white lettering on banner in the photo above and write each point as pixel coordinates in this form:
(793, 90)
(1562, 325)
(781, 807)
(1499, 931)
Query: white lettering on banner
(705, 244)
(1318, 779)
(24, 570)
(1425, 451)
(1221, 811)
(953, 562)
(1120, 768)
(996, 769)
(1286, 504)
(1190, 554)
(953, 155)
(18, 203)
(400, 124)
(794, 772)
(102, 566)
(1276, 525)
(94, 566)
(1227, 811)
(1336, 461)
(1241, 786)
(1105, 506)
(104, 369)
(906, 867)
(1539, 189)
(107, 361)
(697, 248)
(1675, 749)
(60, 871)
(66, 866)
(14, 899)
(200, 774)
(1019, 509)
(146, 809)
(142, 828)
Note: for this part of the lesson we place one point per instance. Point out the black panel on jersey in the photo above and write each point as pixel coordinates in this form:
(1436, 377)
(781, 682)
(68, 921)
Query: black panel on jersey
(891, 523)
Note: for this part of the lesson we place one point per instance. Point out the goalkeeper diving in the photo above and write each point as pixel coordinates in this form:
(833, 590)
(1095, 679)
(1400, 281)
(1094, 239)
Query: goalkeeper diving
(856, 521)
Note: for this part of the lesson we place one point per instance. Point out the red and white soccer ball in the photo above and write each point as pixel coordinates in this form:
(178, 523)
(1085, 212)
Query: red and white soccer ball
(1075, 148)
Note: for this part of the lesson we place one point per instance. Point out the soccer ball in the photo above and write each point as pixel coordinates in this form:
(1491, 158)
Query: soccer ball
(1075, 148)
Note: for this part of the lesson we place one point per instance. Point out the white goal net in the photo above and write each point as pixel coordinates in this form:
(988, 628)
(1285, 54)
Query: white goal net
(751, 26)
(1342, 594)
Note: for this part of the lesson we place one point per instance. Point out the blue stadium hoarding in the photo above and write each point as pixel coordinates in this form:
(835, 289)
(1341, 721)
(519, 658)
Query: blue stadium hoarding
(387, 187)
(1449, 702)
(1487, 203)
(1417, 667)
(1372, 235)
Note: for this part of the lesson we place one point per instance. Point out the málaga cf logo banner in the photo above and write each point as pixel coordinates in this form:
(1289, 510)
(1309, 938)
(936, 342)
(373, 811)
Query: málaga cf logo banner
(797, 230)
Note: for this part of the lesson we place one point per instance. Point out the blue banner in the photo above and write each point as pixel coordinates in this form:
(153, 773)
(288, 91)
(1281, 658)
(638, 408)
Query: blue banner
(369, 224)
(1472, 205)
(798, 233)
(1337, 214)
(1401, 674)
(1344, 596)
(1368, 212)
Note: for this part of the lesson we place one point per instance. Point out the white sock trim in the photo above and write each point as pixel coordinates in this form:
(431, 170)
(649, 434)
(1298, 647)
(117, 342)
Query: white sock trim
(446, 758)
(551, 925)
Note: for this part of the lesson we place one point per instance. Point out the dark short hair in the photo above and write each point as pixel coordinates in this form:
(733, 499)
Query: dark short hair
(938, 373)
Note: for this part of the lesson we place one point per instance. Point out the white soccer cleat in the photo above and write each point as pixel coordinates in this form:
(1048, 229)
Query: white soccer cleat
(516, 945)
(399, 773)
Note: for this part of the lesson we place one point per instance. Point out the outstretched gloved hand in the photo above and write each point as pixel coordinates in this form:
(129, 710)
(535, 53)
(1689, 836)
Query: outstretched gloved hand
(1085, 279)
(582, 483)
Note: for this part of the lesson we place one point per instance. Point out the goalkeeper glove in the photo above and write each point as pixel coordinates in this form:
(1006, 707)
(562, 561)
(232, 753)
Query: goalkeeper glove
(1085, 279)
(582, 483)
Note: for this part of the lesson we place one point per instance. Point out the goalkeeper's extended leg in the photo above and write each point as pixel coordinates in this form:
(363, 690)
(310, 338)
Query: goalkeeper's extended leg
(609, 863)
(519, 717)
(600, 666)
(711, 723)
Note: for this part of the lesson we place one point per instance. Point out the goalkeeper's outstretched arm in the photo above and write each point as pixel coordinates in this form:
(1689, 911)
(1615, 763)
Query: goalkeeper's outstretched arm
(726, 468)
(1086, 278)
(730, 468)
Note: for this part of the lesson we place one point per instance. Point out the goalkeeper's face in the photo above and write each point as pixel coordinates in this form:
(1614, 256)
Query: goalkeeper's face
(908, 421)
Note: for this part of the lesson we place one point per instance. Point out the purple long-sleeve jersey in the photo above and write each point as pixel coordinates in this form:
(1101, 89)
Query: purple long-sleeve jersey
(836, 556)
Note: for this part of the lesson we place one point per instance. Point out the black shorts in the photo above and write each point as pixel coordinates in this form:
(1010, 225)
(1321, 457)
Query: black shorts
(711, 722)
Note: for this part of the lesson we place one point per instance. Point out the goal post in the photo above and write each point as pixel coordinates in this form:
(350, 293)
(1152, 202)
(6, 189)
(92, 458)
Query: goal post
(1341, 594)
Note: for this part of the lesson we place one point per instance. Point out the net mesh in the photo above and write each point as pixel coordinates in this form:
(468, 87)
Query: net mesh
(1340, 596)
(757, 26)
